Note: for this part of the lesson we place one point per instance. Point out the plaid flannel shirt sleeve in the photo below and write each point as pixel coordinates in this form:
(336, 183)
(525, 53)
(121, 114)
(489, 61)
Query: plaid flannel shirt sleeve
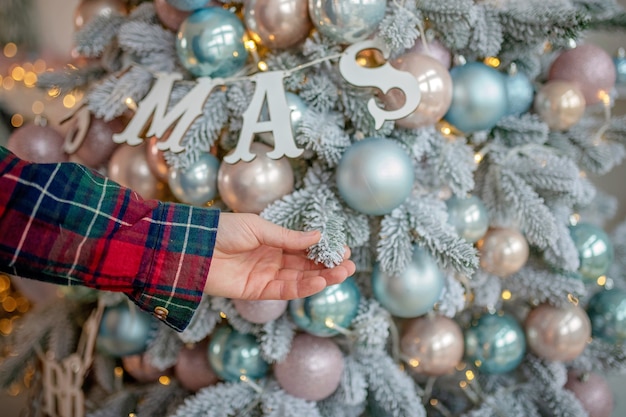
(65, 224)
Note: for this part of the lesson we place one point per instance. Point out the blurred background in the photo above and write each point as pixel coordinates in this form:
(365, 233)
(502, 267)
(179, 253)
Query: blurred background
(51, 23)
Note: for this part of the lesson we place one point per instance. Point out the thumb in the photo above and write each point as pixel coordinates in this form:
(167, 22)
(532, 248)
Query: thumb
(281, 237)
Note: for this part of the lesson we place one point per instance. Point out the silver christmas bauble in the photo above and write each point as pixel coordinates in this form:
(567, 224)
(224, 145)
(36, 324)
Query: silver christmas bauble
(469, 217)
(347, 21)
(196, 184)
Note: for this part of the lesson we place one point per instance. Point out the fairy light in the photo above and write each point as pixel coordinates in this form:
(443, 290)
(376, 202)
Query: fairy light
(69, 101)
(572, 299)
(250, 45)
(18, 73)
(130, 103)
(6, 326)
(463, 384)
(223, 315)
(262, 66)
(10, 50)
(30, 79)
(478, 157)
(446, 130)
(574, 219)
(478, 363)
(17, 120)
(604, 97)
(118, 372)
(601, 281)
(414, 363)
(492, 61)
(54, 92)
(38, 107)
(434, 402)
(8, 83)
(506, 295)
(164, 380)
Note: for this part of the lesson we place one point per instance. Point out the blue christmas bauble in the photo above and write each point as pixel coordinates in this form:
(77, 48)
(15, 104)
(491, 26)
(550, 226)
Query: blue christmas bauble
(620, 68)
(595, 250)
(374, 176)
(520, 93)
(187, 5)
(412, 292)
(338, 304)
(347, 21)
(233, 354)
(210, 43)
(607, 312)
(196, 184)
(495, 343)
(479, 98)
(125, 330)
(469, 217)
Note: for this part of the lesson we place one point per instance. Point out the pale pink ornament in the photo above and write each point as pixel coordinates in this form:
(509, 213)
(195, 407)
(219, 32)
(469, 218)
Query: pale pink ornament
(278, 24)
(312, 370)
(140, 368)
(87, 10)
(192, 368)
(170, 16)
(557, 333)
(503, 251)
(593, 392)
(435, 85)
(560, 104)
(434, 49)
(156, 160)
(260, 311)
(128, 166)
(98, 145)
(39, 144)
(432, 345)
(590, 68)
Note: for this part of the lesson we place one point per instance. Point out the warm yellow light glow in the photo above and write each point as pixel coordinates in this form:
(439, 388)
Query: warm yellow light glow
(118, 371)
(130, 103)
(8, 83)
(250, 45)
(434, 402)
(30, 79)
(463, 384)
(601, 280)
(469, 374)
(40, 66)
(38, 107)
(604, 97)
(478, 157)
(414, 363)
(222, 315)
(492, 61)
(18, 73)
(5, 283)
(9, 304)
(54, 92)
(446, 130)
(262, 65)
(235, 54)
(6, 326)
(506, 295)
(478, 363)
(164, 380)
(572, 299)
(10, 50)
(17, 120)
(69, 101)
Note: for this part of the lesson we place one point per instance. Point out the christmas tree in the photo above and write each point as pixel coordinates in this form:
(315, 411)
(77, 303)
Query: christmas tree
(448, 143)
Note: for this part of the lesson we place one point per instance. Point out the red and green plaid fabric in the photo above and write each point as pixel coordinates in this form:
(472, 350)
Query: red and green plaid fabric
(65, 224)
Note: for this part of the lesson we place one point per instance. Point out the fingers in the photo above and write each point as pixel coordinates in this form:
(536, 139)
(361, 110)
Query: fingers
(280, 237)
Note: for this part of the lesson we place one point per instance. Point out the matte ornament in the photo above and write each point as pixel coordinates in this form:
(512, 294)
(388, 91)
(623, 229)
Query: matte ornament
(192, 368)
(39, 144)
(312, 370)
(593, 392)
(87, 10)
(140, 368)
(469, 217)
(129, 167)
(347, 21)
(335, 305)
(560, 104)
(607, 312)
(590, 68)
(557, 333)
(479, 98)
(503, 251)
(210, 43)
(520, 93)
(196, 184)
(187, 5)
(278, 24)
(595, 250)
(249, 187)
(412, 292)
(125, 330)
(495, 343)
(374, 176)
(260, 311)
(233, 355)
(432, 345)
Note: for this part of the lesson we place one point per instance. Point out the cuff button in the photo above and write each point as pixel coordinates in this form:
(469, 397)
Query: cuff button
(161, 312)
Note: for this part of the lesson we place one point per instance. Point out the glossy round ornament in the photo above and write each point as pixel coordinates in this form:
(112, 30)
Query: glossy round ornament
(98, 145)
(210, 43)
(87, 10)
(312, 370)
(249, 187)
(374, 176)
(278, 24)
(495, 343)
(335, 305)
(620, 66)
(557, 333)
(593, 392)
(125, 330)
(156, 160)
(520, 93)
(503, 251)
(432, 345)
(469, 217)
(187, 5)
(170, 16)
(589, 67)
(39, 144)
(129, 167)
(435, 86)
(479, 98)
(607, 312)
(595, 250)
(297, 108)
(560, 104)
(434, 49)
(260, 311)
(196, 184)
(412, 292)
(347, 21)
(192, 368)
(233, 354)
(140, 368)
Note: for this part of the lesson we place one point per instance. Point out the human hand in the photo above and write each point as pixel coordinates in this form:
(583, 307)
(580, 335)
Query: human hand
(256, 259)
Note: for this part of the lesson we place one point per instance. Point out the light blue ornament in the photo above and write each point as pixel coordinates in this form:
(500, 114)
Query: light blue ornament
(125, 330)
(520, 93)
(233, 354)
(347, 21)
(469, 217)
(495, 344)
(187, 5)
(479, 98)
(210, 43)
(620, 66)
(595, 250)
(374, 176)
(412, 292)
(607, 312)
(196, 184)
(335, 305)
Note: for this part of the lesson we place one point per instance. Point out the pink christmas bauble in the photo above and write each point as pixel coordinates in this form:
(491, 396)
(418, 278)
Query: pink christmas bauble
(156, 160)
(98, 145)
(560, 104)
(433, 49)
(39, 144)
(278, 24)
(589, 67)
(140, 368)
(87, 10)
(192, 368)
(128, 167)
(170, 16)
(312, 369)
(260, 311)
(503, 251)
(593, 392)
